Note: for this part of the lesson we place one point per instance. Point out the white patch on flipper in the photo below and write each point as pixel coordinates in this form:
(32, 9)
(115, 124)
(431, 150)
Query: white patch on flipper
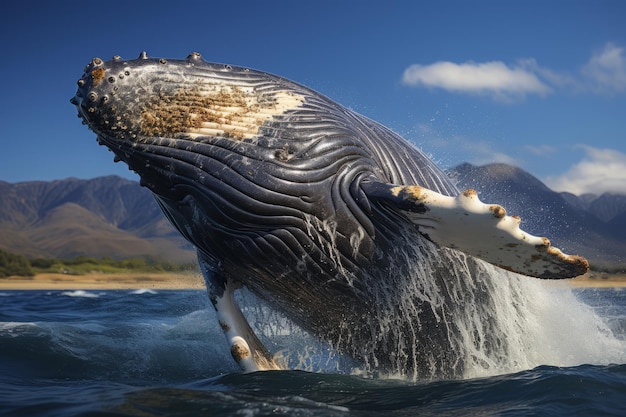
(486, 232)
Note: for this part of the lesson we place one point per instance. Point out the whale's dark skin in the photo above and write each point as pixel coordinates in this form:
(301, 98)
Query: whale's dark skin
(285, 192)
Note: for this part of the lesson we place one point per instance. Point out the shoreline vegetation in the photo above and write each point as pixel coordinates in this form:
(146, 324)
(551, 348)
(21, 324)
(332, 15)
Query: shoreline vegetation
(86, 272)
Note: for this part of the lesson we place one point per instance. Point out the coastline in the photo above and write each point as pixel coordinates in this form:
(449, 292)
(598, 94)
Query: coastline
(194, 280)
(596, 280)
(100, 281)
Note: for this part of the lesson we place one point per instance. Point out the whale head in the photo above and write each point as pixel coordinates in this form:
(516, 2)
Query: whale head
(149, 110)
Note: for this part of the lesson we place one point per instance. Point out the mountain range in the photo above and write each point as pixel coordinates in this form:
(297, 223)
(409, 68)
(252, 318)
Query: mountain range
(105, 216)
(112, 216)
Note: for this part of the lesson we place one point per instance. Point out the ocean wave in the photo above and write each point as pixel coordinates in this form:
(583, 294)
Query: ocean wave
(141, 291)
(15, 328)
(82, 293)
(164, 354)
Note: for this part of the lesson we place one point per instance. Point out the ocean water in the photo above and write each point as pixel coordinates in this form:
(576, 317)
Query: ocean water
(161, 353)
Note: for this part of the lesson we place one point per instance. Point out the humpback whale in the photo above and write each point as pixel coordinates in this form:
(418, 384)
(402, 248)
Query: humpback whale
(332, 218)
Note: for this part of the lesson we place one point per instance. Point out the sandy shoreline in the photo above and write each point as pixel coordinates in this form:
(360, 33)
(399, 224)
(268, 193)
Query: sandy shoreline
(609, 281)
(168, 281)
(193, 280)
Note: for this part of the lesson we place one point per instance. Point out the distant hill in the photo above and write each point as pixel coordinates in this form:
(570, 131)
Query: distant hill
(106, 216)
(589, 225)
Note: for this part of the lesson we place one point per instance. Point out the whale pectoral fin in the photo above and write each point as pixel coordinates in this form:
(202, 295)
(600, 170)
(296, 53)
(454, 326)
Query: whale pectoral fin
(245, 347)
(481, 230)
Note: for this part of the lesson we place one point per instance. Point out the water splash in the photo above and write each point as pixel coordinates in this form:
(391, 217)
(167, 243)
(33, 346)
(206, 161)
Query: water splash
(453, 316)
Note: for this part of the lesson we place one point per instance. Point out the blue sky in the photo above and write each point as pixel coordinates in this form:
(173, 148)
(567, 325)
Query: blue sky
(537, 84)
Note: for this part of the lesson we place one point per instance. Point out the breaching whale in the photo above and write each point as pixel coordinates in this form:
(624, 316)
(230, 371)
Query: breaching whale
(332, 218)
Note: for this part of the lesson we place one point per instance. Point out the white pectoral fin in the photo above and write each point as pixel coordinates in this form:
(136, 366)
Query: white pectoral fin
(245, 347)
(481, 230)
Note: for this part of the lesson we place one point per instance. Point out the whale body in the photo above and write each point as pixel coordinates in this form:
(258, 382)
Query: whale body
(330, 217)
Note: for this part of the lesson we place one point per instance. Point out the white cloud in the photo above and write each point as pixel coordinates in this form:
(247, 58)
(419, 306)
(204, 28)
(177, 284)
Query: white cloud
(604, 73)
(492, 78)
(606, 70)
(601, 171)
